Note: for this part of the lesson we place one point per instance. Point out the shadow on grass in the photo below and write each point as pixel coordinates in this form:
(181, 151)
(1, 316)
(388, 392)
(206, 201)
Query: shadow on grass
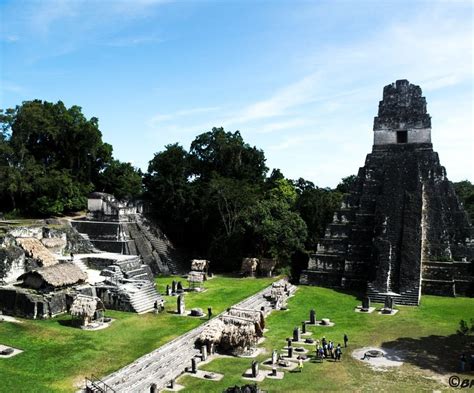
(440, 354)
(68, 323)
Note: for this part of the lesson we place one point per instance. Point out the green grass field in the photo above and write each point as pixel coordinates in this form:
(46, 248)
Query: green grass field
(426, 334)
(57, 356)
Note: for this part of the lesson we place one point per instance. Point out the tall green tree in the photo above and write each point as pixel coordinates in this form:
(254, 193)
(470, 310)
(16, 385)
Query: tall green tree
(276, 229)
(120, 179)
(465, 191)
(316, 207)
(226, 154)
(50, 157)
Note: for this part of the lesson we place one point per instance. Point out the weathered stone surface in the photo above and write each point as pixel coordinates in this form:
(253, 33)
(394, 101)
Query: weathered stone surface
(402, 224)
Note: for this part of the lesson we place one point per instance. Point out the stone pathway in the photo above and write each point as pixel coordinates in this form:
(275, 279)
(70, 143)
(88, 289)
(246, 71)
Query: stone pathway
(169, 361)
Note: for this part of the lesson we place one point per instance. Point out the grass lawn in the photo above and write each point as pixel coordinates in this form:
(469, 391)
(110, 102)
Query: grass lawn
(57, 356)
(426, 334)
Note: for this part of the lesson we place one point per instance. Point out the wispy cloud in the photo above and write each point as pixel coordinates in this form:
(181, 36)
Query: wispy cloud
(12, 87)
(332, 108)
(167, 117)
(133, 41)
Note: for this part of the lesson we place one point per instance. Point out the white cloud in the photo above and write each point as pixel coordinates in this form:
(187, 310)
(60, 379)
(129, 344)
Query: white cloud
(167, 117)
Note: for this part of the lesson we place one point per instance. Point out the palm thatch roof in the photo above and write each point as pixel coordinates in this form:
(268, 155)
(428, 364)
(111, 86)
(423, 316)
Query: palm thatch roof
(59, 275)
(231, 333)
(53, 242)
(36, 250)
(238, 334)
(199, 265)
(213, 332)
(85, 306)
(249, 265)
(255, 316)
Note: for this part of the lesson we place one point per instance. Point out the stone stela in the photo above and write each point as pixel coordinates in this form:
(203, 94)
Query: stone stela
(365, 304)
(312, 317)
(255, 369)
(181, 310)
(296, 334)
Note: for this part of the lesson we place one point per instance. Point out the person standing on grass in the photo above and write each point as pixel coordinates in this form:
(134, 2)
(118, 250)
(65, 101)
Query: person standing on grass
(300, 363)
(338, 352)
(462, 363)
(209, 312)
(346, 339)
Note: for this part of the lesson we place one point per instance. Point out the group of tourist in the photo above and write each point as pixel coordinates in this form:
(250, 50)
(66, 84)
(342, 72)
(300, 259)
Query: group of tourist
(326, 349)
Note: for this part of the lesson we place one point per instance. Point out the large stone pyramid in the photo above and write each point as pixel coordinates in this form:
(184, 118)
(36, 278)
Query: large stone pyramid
(402, 229)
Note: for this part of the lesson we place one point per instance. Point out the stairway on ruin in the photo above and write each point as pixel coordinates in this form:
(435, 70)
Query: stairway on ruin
(167, 254)
(81, 265)
(410, 297)
(143, 298)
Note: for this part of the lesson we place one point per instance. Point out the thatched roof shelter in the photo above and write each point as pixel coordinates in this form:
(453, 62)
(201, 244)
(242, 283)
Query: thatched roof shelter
(55, 276)
(200, 265)
(86, 306)
(239, 333)
(249, 266)
(36, 250)
(255, 316)
(196, 279)
(232, 332)
(267, 265)
(53, 242)
(213, 332)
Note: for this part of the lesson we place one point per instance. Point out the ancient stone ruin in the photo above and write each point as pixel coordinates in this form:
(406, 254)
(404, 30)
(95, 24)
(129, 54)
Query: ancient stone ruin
(402, 230)
(251, 267)
(121, 227)
(42, 271)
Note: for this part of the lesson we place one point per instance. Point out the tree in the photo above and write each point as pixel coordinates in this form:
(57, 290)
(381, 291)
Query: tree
(465, 191)
(277, 231)
(168, 189)
(226, 154)
(316, 207)
(50, 157)
(346, 184)
(233, 198)
(120, 179)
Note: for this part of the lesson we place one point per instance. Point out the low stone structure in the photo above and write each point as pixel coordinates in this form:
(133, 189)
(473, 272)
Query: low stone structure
(121, 227)
(105, 207)
(279, 295)
(252, 267)
(249, 267)
(266, 266)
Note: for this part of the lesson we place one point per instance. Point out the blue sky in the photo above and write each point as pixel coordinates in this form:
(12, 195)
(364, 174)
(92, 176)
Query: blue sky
(299, 79)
